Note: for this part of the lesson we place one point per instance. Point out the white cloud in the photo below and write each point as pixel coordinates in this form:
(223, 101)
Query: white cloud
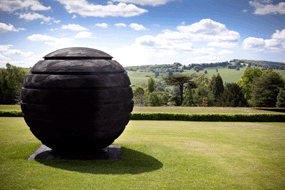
(254, 43)
(228, 44)
(162, 47)
(102, 25)
(273, 44)
(7, 51)
(7, 28)
(145, 2)
(276, 43)
(84, 8)
(74, 16)
(5, 47)
(279, 35)
(180, 44)
(34, 16)
(4, 58)
(204, 51)
(54, 29)
(204, 30)
(56, 21)
(245, 11)
(13, 5)
(127, 54)
(137, 27)
(74, 27)
(204, 59)
(261, 9)
(50, 40)
(120, 25)
(84, 34)
(224, 52)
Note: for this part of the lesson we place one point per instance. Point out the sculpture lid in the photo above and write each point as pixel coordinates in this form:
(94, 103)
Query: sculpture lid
(78, 53)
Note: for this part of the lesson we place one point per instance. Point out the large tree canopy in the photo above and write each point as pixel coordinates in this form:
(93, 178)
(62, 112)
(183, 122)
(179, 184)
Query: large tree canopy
(247, 79)
(266, 88)
(232, 96)
(179, 81)
(11, 79)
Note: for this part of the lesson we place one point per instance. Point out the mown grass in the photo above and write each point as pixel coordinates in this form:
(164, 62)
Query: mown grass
(187, 110)
(155, 155)
(10, 108)
(204, 110)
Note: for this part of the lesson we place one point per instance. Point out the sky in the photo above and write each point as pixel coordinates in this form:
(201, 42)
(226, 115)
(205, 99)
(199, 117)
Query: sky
(144, 32)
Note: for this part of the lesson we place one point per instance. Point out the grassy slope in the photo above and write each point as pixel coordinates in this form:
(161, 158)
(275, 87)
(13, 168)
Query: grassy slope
(228, 75)
(155, 155)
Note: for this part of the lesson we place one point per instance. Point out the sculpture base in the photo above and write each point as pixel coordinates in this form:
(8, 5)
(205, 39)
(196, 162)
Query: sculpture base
(112, 152)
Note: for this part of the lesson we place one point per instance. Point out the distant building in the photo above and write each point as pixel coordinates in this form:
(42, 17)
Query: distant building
(142, 70)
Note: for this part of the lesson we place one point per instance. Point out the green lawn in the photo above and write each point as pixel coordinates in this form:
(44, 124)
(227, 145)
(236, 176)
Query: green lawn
(10, 108)
(155, 155)
(189, 110)
(184, 110)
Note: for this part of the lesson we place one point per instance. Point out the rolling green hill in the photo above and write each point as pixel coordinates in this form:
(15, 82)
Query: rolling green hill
(228, 75)
(140, 74)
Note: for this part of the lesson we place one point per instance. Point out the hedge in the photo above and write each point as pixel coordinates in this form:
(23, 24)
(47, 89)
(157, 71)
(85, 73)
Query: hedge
(210, 117)
(189, 117)
(11, 114)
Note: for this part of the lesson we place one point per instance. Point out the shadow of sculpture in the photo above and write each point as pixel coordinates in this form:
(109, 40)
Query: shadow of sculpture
(132, 162)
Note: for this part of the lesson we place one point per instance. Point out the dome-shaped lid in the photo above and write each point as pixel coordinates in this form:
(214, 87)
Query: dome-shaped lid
(78, 53)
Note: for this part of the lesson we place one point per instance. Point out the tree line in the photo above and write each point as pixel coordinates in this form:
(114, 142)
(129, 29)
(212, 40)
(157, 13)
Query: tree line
(232, 64)
(256, 88)
(11, 80)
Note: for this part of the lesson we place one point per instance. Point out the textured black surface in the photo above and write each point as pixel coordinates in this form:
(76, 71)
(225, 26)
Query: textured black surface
(79, 99)
(77, 53)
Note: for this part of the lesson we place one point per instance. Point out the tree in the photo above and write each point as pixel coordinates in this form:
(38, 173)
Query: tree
(11, 80)
(150, 85)
(246, 81)
(179, 81)
(138, 92)
(156, 74)
(188, 101)
(212, 84)
(216, 85)
(266, 88)
(281, 98)
(202, 89)
(164, 98)
(232, 96)
(219, 86)
(153, 99)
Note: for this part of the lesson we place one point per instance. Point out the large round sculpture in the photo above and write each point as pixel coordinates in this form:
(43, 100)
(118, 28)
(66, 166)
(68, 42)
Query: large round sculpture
(77, 100)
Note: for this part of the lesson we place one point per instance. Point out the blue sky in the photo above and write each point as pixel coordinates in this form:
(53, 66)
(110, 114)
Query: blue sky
(141, 32)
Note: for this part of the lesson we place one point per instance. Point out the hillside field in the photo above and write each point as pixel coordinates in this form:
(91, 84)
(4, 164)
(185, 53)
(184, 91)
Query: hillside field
(228, 75)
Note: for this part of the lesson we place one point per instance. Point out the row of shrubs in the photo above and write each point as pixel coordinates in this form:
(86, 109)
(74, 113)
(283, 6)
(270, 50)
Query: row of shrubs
(189, 117)
(210, 117)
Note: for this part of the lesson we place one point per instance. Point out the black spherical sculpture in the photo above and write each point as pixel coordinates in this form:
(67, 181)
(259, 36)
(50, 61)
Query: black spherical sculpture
(77, 100)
